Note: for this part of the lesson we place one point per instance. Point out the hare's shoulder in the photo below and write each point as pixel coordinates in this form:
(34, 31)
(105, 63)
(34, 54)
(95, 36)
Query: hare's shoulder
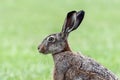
(88, 68)
(80, 67)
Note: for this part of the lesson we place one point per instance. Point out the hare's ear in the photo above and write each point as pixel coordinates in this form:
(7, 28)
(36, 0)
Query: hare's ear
(72, 21)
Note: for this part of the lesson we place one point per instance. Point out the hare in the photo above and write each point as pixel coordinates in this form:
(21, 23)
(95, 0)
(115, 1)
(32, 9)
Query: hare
(69, 65)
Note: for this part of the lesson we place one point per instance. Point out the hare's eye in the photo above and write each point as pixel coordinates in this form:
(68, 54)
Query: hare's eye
(51, 39)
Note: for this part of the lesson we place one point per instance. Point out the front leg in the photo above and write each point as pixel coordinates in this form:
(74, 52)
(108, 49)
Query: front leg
(58, 75)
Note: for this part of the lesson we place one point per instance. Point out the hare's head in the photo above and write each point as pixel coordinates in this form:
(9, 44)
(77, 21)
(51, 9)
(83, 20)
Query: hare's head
(56, 43)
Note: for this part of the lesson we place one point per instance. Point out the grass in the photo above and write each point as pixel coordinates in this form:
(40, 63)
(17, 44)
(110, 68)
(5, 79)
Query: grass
(24, 23)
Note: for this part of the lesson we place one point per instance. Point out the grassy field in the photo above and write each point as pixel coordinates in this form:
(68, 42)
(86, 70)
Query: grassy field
(24, 23)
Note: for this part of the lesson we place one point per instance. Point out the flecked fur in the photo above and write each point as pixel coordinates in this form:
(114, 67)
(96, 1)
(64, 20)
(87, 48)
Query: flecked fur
(69, 65)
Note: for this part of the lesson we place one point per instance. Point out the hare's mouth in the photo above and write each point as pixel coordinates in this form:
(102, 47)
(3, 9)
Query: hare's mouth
(41, 51)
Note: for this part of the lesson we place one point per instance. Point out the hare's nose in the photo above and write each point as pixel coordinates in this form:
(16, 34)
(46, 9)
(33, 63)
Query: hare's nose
(41, 49)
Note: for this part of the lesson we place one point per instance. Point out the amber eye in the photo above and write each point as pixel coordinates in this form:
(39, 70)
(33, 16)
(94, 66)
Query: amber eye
(51, 39)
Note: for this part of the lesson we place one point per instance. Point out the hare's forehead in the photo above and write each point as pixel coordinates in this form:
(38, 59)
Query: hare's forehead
(56, 35)
(47, 37)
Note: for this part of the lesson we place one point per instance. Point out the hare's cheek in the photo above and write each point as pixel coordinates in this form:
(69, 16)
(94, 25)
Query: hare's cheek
(55, 48)
(51, 48)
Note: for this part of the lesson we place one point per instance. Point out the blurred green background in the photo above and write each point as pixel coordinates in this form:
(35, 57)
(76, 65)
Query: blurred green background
(25, 23)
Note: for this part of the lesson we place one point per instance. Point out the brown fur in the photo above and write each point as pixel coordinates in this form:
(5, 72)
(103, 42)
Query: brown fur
(67, 48)
(69, 65)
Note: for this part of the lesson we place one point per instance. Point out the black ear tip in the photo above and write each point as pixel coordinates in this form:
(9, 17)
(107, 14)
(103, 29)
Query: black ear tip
(80, 15)
(81, 12)
(71, 13)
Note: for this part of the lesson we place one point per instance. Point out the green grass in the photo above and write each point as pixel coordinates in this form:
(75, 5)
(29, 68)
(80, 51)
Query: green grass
(24, 23)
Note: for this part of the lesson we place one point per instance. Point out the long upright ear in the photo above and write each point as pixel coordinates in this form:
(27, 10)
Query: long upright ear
(72, 21)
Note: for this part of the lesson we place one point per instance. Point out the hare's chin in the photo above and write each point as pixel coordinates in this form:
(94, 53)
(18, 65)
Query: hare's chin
(43, 52)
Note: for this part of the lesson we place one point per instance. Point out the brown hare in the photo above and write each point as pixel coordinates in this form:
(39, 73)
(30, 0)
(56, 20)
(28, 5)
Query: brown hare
(69, 65)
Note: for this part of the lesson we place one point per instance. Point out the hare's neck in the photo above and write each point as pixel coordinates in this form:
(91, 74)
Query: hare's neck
(67, 48)
(60, 56)
(65, 51)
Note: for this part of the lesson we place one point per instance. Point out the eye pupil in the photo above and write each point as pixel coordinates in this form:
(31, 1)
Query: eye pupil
(51, 39)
